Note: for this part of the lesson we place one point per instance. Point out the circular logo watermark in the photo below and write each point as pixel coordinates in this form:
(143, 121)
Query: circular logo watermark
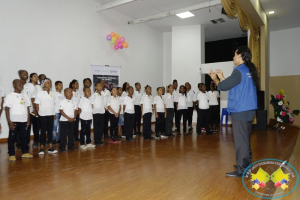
(270, 178)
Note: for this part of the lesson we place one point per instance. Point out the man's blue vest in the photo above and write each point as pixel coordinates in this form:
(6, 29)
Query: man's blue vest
(243, 96)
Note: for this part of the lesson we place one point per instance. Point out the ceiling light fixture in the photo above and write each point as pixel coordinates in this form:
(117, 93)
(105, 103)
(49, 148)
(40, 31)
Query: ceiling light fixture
(271, 12)
(185, 15)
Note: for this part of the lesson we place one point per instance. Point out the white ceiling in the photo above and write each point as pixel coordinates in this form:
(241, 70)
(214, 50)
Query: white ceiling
(287, 13)
(145, 8)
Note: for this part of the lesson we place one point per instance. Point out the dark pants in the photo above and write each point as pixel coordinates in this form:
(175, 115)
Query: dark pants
(137, 119)
(46, 127)
(76, 127)
(203, 117)
(113, 125)
(67, 128)
(98, 127)
(20, 127)
(160, 123)
(202, 123)
(190, 112)
(241, 135)
(169, 120)
(147, 125)
(105, 123)
(28, 131)
(182, 113)
(176, 114)
(85, 131)
(214, 115)
(129, 124)
(35, 121)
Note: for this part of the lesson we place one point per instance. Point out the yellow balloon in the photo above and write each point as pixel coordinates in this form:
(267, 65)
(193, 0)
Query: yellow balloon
(113, 39)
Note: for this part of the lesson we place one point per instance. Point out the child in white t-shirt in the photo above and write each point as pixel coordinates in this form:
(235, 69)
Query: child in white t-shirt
(17, 108)
(44, 103)
(146, 108)
(121, 116)
(86, 116)
(128, 107)
(203, 111)
(68, 110)
(160, 113)
(137, 108)
(58, 96)
(169, 102)
(98, 102)
(114, 108)
(214, 109)
(181, 104)
(74, 85)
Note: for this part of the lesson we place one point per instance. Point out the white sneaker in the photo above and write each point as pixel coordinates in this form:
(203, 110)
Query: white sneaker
(52, 150)
(83, 147)
(162, 136)
(90, 145)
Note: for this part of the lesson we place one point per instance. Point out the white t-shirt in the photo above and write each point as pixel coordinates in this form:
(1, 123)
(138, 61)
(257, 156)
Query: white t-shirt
(175, 93)
(181, 99)
(57, 99)
(190, 98)
(147, 102)
(68, 107)
(124, 94)
(37, 89)
(46, 103)
(203, 100)
(213, 98)
(86, 109)
(98, 102)
(29, 91)
(169, 100)
(76, 97)
(138, 97)
(18, 103)
(114, 103)
(106, 94)
(160, 106)
(129, 103)
(196, 95)
(121, 103)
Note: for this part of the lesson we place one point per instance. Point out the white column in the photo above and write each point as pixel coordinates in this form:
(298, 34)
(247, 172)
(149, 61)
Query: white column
(167, 58)
(187, 53)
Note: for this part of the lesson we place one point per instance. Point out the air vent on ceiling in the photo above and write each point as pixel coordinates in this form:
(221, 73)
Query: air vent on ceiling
(218, 21)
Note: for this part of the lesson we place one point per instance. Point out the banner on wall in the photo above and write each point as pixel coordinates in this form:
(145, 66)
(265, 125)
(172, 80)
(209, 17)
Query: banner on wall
(111, 75)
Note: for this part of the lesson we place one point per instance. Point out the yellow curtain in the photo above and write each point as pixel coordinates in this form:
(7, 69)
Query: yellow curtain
(233, 9)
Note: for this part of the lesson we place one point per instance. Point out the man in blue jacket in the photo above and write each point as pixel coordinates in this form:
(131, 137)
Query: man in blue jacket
(242, 103)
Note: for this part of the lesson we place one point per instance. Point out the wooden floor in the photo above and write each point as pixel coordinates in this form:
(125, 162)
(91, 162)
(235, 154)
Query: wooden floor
(186, 167)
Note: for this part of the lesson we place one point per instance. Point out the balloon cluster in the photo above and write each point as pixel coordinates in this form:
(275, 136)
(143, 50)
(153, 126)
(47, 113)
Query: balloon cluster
(117, 41)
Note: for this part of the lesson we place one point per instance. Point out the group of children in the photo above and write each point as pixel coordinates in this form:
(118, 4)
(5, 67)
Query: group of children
(34, 103)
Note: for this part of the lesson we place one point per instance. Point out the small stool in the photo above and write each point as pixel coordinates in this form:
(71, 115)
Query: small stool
(224, 113)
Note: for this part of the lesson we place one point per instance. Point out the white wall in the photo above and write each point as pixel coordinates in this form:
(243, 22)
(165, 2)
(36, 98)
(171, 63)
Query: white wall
(284, 52)
(167, 58)
(62, 38)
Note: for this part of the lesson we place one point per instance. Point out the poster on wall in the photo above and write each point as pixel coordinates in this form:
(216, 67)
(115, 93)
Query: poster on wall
(111, 75)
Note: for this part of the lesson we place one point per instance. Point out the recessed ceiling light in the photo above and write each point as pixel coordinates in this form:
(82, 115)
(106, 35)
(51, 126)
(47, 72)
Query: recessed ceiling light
(271, 12)
(185, 15)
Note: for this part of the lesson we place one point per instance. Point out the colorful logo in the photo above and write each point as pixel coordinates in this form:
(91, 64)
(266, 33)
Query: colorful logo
(270, 178)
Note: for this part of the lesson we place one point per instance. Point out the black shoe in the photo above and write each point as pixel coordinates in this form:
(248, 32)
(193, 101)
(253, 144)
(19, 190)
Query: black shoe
(199, 134)
(190, 129)
(99, 143)
(171, 135)
(235, 166)
(157, 136)
(35, 144)
(54, 142)
(72, 148)
(130, 140)
(234, 174)
(63, 150)
(178, 133)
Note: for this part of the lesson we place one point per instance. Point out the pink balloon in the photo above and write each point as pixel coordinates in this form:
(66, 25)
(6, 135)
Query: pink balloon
(118, 41)
(122, 39)
(116, 47)
(120, 45)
